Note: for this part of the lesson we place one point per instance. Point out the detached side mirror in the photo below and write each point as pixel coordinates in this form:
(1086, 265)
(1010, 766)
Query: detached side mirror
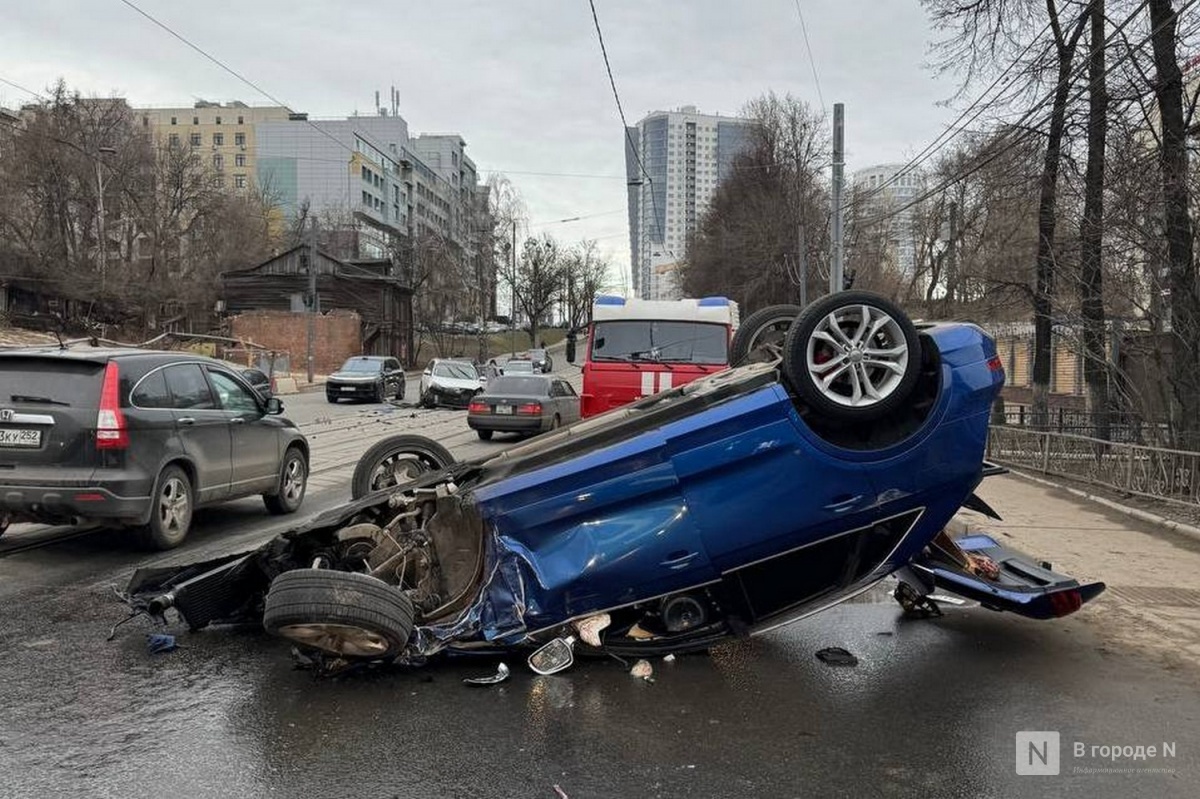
(274, 406)
(556, 656)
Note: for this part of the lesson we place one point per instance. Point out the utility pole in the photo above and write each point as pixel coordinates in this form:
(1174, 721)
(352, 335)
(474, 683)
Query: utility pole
(952, 253)
(311, 248)
(836, 279)
(802, 263)
(512, 291)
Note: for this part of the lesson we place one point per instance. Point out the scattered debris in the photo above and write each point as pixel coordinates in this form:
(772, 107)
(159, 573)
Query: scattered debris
(638, 633)
(950, 600)
(591, 627)
(501, 675)
(160, 642)
(914, 604)
(669, 659)
(836, 656)
(561, 793)
(642, 669)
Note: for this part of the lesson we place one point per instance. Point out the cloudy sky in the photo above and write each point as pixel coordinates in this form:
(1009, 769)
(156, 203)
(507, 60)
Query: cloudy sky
(523, 81)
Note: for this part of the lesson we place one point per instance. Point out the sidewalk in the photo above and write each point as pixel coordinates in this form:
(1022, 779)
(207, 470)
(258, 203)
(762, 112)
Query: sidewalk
(1152, 604)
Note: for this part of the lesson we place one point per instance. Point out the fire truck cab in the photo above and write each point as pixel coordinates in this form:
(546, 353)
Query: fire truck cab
(640, 347)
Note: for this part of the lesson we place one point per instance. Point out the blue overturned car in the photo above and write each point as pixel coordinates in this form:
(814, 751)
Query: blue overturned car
(833, 457)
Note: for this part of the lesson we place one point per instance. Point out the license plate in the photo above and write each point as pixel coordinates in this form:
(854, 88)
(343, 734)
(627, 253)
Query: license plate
(502, 409)
(347, 388)
(20, 438)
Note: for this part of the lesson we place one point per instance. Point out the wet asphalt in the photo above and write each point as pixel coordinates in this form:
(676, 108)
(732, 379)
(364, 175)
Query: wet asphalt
(931, 709)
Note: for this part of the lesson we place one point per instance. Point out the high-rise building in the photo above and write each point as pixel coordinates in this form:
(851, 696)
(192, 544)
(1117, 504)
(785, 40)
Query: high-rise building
(884, 195)
(685, 155)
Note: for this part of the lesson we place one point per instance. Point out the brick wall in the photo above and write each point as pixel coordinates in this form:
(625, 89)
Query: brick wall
(338, 336)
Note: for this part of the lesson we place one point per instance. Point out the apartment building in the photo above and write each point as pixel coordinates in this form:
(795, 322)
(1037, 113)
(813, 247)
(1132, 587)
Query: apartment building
(685, 156)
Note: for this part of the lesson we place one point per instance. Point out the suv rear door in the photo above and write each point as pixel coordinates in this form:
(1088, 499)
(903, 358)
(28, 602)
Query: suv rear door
(203, 429)
(48, 409)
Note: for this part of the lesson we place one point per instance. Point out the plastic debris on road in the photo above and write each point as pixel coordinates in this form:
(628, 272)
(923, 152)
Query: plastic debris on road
(836, 656)
(591, 627)
(501, 675)
(160, 642)
(642, 669)
(669, 659)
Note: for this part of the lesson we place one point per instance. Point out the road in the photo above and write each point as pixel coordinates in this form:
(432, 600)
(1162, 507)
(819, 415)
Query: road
(931, 710)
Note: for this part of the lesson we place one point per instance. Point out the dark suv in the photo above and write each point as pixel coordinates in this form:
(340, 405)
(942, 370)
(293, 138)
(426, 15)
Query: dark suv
(139, 438)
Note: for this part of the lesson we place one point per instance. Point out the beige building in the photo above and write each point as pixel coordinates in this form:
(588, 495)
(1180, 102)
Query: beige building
(225, 133)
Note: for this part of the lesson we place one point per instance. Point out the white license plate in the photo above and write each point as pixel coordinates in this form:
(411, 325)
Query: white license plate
(502, 409)
(20, 438)
(347, 388)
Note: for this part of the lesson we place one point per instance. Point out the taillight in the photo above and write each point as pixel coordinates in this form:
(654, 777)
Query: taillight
(477, 407)
(530, 409)
(111, 432)
(995, 364)
(1064, 603)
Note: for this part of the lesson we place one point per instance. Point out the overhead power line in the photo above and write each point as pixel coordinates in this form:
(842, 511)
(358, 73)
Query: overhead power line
(19, 87)
(625, 127)
(1026, 130)
(812, 63)
(233, 72)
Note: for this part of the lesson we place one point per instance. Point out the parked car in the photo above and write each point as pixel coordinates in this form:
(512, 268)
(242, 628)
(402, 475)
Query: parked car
(542, 362)
(370, 377)
(732, 505)
(519, 366)
(523, 404)
(258, 379)
(138, 438)
(450, 382)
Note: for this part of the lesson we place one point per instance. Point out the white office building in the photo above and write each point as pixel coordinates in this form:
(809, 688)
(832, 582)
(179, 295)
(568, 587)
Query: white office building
(686, 154)
(884, 195)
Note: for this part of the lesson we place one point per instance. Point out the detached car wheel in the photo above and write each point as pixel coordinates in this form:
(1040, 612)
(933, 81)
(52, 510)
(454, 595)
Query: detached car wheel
(397, 460)
(343, 613)
(761, 337)
(171, 508)
(853, 356)
(293, 483)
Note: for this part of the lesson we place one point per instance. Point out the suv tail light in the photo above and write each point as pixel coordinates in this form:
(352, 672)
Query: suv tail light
(111, 432)
(530, 409)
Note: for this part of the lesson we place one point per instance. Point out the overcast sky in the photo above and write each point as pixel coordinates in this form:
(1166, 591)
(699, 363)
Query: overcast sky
(522, 81)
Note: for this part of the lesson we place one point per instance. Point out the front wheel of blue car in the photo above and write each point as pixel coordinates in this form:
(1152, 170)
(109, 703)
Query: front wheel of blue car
(345, 614)
(853, 356)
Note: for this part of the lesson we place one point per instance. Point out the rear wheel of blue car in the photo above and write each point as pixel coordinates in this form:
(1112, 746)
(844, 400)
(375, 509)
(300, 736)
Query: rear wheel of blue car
(396, 460)
(346, 614)
(853, 356)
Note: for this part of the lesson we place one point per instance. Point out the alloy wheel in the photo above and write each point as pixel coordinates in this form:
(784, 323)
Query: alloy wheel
(857, 356)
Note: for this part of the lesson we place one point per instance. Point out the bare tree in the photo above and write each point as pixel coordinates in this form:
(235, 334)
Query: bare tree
(536, 280)
(769, 216)
(586, 274)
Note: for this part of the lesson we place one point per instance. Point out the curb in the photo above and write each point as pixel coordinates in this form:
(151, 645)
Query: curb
(1186, 530)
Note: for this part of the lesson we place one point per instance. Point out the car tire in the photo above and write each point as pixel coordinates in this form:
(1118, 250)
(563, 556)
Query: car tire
(293, 483)
(484, 435)
(834, 330)
(172, 506)
(761, 337)
(377, 468)
(345, 614)
(427, 400)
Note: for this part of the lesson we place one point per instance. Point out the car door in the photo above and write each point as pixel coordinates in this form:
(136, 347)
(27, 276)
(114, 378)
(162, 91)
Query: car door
(254, 437)
(202, 429)
(569, 401)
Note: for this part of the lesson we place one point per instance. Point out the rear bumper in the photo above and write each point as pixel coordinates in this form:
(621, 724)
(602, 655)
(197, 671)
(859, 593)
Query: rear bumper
(57, 504)
(507, 424)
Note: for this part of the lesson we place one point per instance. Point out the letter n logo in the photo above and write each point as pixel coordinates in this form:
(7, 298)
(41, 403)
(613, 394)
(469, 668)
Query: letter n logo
(1037, 753)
